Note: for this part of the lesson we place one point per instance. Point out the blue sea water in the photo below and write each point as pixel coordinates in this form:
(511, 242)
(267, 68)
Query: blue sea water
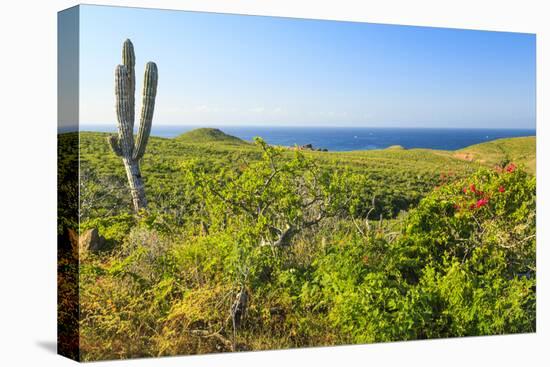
(347, 138)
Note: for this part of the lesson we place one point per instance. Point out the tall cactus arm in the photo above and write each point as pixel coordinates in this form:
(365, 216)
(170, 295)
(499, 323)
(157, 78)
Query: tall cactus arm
(115, 146)
(129, 60)
(125, 128)
(150, 81)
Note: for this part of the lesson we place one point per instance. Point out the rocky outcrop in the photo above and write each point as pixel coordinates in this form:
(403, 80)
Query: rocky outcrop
(91, 241)
(311, 147)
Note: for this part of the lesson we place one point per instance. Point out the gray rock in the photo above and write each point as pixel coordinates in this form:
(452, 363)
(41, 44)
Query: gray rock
(91, 241)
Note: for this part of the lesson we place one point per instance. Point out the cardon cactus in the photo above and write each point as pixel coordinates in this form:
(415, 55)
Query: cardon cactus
(123, 144)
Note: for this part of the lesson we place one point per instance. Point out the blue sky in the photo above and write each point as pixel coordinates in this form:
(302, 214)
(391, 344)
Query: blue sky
(218, 69)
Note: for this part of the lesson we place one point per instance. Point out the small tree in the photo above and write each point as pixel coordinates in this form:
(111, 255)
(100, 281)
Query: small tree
(278, 197)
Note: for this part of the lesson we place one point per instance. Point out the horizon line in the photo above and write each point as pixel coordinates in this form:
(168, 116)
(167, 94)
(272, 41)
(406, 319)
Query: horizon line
(293, 126)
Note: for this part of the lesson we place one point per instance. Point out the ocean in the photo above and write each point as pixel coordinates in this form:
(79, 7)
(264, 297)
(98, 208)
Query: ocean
(347, 138)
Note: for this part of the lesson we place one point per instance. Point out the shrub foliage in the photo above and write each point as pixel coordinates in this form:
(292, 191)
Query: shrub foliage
(328, 251)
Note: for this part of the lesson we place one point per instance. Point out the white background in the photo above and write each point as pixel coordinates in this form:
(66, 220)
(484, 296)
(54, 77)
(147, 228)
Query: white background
(28, 181)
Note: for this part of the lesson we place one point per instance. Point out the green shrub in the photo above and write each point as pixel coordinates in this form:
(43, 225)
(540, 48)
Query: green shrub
(464, 265)
(374, 250)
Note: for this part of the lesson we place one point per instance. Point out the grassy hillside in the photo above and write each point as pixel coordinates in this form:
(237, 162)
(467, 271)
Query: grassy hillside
(209, 135)
(397, 178)
(500, 151)
(329, 247)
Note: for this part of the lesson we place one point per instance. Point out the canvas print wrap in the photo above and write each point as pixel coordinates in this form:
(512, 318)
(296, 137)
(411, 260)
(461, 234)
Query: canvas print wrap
(238, 183)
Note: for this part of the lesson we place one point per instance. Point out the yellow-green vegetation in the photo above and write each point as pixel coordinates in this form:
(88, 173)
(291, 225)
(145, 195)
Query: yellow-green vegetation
(245, 246)
(501, 151)
(209, 135)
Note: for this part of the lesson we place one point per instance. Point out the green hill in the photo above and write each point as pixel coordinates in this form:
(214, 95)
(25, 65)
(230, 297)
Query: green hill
(209, 135)
(518, 150)
(398, 178)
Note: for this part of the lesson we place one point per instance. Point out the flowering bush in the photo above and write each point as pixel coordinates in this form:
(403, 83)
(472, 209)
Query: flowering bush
(464, 264)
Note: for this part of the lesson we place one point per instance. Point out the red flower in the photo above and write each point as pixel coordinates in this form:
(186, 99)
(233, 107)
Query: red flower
(481, 202)
(465, 190)
(473, 188)
(501, 189)
(472, 206)
(511, 168)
